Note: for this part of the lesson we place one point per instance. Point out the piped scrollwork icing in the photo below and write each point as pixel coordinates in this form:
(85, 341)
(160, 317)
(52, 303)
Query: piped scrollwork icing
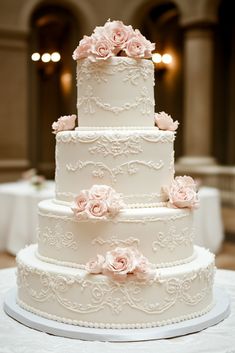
(100, 72)
(100, 169)
(113, 295)
(136, 136)
(89, 103)
(57, 238)
(173, 238)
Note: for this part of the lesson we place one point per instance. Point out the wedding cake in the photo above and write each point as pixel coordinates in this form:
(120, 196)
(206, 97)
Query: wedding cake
(115, 247)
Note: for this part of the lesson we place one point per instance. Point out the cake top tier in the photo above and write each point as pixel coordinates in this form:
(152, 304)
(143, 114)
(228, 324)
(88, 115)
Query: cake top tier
(114, 39)
(115, 79)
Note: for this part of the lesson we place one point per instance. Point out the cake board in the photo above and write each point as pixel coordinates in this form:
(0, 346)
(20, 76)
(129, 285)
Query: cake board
(219, 312)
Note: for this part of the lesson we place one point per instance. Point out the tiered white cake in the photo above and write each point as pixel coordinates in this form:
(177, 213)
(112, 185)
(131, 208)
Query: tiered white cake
(117, 145)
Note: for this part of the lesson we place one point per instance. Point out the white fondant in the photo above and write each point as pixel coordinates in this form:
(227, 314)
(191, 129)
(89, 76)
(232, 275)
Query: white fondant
(163, 235)
(72, 295)
(137, 163)
(117, 92)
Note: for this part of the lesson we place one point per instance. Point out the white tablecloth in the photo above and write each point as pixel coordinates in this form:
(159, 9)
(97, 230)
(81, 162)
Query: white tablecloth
(208, 223)
(17, 338)
(19, 221)
(18, 213)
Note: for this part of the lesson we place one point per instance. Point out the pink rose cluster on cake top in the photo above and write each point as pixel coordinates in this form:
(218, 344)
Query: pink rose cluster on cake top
(114, 39)
(100, 202)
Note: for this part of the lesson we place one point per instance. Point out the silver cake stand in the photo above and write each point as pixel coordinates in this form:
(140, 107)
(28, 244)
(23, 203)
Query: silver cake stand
(218, 313)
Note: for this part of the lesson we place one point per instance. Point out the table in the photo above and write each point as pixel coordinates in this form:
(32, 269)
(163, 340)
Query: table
(19, 221)
(208, 223)
(18, 213)
(17, 338)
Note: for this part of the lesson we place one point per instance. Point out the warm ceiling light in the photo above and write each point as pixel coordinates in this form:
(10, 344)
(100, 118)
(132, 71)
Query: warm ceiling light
(157, 58)
(46, 57)
(55, 57)
(166, 58)
(35, 56)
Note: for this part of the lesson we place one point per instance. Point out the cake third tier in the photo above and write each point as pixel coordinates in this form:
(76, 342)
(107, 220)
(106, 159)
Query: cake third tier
(135, 162)
(164, 235)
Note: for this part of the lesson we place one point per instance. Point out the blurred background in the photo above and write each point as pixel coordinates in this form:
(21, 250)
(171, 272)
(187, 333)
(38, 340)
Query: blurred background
(195, 84)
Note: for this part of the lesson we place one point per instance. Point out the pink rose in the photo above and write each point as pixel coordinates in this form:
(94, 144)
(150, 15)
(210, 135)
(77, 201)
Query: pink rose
(182, 193)
(95, 266)
(138, 46)
(84, 48)
(183, 197)
(81, 201)
(165, 122)
(149, 47)
(144, 270)
(135, 48)
(100, 192)
(64, 123)
(101, 49)
(119, 262)
(186, 181)
(117, 33)
(115, 204)
(97, 209)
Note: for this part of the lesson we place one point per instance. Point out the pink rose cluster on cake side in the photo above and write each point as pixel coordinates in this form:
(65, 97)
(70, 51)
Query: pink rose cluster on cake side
(114, 39)
(99, 202)
(66, 122)
(182, 193)
(120, 262)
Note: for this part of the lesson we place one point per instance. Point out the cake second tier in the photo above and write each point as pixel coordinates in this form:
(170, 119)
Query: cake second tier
(135, 162)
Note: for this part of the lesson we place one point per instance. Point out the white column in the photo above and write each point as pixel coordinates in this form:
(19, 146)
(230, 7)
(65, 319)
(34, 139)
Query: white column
(198, 100)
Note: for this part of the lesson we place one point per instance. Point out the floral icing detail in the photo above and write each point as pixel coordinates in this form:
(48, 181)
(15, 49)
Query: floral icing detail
(57, 237)
(99, 202)
(182, 193)
(99, 169)
(120, 262)
(66, 122)
(89, 103)
(131, 70)
(113, 39)
(165, 122)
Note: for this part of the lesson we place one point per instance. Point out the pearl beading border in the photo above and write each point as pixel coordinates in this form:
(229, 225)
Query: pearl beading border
(82, 266)
(113, 325)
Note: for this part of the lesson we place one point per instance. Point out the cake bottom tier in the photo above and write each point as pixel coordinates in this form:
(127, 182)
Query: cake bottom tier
(75, 297)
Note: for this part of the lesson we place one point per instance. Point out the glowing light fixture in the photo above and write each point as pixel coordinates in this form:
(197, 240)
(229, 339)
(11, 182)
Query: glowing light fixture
(166, 58)
(55, 57)
(46, 57)
(157, 58)
(162, 62)
(35, 56)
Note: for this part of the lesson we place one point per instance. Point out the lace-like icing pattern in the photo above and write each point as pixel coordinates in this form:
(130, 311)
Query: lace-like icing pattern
(172, 238)
(113, 295)
(89, 103)
(112, 325)
(91, 137)
(100, 169)
(57, 237)
(100, 72)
